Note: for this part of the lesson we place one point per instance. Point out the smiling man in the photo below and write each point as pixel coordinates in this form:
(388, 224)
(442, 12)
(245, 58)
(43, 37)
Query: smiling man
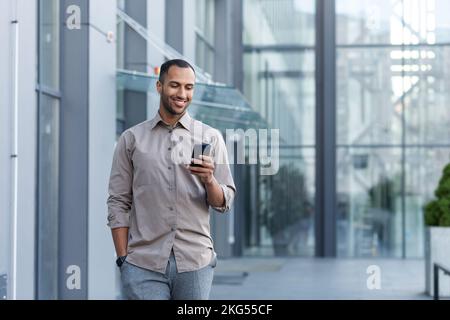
(158, 208)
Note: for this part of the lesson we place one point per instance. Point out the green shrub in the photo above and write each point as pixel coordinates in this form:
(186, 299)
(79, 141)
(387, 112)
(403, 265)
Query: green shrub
(437, 212)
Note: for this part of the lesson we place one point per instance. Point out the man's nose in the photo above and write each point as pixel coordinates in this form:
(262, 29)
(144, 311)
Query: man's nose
(181, 93)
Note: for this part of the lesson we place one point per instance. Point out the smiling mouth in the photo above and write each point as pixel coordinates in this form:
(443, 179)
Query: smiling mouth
(179, 103)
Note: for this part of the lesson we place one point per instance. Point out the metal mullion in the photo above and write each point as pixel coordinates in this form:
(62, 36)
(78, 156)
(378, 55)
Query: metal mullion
(325, 198)
(403, 150)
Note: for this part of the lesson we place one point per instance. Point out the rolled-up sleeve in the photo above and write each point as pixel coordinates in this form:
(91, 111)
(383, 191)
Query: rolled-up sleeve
(222, 173)
(228, 194)
(120, 184)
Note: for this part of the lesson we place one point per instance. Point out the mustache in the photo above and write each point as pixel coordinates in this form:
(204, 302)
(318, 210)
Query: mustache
(180, 99)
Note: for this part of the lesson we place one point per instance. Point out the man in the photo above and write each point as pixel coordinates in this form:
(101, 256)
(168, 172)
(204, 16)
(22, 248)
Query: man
(158, 205)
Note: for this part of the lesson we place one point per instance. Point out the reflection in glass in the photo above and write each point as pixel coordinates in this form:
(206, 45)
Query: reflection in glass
(48, 169)
(369, 219)
(120, 36)
(279, 83)
(48, 151)
(266, 22)
(392, 22)
(369, 97)
(281, 221)
(204, 35)
(392, 90)
(426, 84)
(49, 43)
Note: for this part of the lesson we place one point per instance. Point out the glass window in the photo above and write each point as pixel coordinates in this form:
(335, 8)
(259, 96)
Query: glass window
(369, 221)
(279, 83)
(204, 35)
(426, 80)
(49, 43)
(48, 150)
(392, 22)
(48, 168)
(369, 97)
(120, 43)
(392, 85)
(282, 221)
(281, 87)
(265, 22)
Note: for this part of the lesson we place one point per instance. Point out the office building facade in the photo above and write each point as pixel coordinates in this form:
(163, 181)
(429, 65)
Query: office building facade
(357, 91)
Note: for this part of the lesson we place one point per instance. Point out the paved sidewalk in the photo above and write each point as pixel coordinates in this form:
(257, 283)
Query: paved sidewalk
(315, 278)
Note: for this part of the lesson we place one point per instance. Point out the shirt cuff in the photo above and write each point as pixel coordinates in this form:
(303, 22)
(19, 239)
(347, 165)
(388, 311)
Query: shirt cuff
(118, 220)
(228, 194)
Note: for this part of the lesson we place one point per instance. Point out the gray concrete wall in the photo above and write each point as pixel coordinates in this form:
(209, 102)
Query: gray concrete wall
(27, 149)
(26, 143)
(5, 134)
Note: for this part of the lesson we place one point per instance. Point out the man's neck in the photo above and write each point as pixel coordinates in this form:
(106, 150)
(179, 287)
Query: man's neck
(168, 118)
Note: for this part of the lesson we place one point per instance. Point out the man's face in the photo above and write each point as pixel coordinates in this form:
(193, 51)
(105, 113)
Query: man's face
(177, 90)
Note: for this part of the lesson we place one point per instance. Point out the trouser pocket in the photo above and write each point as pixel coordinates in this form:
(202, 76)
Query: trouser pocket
(213, 262)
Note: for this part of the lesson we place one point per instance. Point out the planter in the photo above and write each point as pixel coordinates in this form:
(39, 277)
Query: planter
(437, 249)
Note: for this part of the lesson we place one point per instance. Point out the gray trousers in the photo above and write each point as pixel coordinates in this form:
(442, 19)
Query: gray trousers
(143, 284)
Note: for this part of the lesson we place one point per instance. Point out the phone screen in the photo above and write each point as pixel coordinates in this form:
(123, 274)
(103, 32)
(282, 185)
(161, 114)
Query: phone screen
(200, 149)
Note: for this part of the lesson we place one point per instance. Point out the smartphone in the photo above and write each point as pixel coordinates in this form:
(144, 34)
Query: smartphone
(200, 149)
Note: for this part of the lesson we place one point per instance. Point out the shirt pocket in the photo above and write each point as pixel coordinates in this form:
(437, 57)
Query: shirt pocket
(146, 168)
(195, 191)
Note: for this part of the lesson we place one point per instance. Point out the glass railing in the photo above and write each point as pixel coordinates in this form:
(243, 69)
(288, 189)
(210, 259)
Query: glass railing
(219, 106)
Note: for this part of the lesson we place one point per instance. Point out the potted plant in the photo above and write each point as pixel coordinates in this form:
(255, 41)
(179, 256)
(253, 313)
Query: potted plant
(437, 239)
(287, 207)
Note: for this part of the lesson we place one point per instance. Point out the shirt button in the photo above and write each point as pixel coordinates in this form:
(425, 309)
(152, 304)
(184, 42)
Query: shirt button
(169, 148)
(171, 208)
(172, 229)
(170, 131)
(170, 168)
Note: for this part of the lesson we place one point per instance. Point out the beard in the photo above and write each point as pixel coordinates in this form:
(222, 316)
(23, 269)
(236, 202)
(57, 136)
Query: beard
(166, 103)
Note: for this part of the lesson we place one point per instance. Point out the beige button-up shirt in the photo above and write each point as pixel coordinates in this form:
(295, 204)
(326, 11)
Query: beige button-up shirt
(155, 195)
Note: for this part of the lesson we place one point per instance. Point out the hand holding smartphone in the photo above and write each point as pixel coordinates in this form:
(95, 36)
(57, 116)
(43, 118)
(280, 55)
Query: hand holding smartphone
(200, 149)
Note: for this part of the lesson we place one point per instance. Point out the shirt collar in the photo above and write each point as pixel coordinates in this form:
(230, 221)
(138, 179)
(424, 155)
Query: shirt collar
(185, 121)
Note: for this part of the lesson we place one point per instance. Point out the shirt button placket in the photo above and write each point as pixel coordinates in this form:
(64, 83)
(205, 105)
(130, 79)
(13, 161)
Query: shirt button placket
(171, 187)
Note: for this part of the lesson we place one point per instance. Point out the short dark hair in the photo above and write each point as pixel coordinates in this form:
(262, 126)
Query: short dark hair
(175, 62)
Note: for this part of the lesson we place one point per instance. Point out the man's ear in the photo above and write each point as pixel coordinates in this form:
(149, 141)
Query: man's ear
(158, 86)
